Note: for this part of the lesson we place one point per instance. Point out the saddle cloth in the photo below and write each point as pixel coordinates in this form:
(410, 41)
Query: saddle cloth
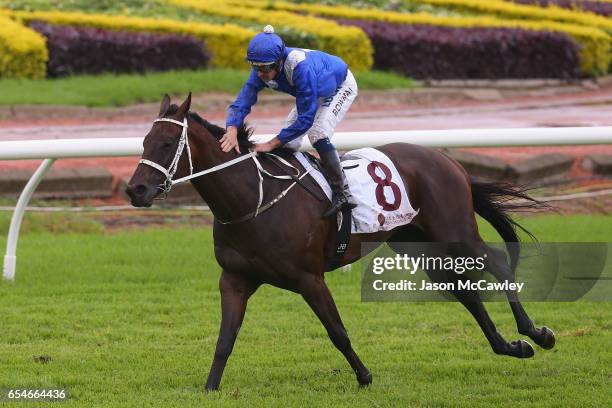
(377, 189)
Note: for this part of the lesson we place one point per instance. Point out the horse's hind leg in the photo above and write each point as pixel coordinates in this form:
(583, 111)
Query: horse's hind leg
(314, 290)
(471, 299)
(235, 291)
(497, 265)
(456, 223)
(472, 302)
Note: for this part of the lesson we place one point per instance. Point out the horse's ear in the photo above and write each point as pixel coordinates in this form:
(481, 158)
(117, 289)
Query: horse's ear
(165, 104)
(184, 108)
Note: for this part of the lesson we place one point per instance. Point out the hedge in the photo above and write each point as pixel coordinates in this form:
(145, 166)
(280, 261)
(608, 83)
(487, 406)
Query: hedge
(349, 43)
(423, 52)
(225, 42)
(596, 7)
(22, 51)
(82, 50)
(507, 9)
(595, 53)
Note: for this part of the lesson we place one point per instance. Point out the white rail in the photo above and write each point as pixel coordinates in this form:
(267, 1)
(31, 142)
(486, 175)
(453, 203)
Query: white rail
(114, 147)
(49, 150)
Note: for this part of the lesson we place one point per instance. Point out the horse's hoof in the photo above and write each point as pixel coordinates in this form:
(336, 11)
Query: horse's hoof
(548, 338)
(365, 380)
(524, 349)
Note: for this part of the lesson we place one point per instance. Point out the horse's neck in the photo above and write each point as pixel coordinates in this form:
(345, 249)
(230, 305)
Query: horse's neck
(231, 192)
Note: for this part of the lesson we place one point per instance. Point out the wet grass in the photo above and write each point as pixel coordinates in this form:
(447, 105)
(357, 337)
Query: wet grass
(131, 318)
(122, 90)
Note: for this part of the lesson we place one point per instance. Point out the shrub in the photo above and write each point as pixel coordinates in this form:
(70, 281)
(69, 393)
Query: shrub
(349, 43)
(297, 38)
(603, 9)
(226, 42)
(80, 50)
(422, 51)
(595, 53)
(511, 10)
(22, 51)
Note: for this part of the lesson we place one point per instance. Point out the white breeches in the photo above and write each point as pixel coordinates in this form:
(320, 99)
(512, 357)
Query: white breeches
(330, 112)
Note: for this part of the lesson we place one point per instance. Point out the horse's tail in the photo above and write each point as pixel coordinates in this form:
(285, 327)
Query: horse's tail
(492, 201)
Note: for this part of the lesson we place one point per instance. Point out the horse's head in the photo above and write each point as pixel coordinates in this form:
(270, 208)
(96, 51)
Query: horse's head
(163, 150)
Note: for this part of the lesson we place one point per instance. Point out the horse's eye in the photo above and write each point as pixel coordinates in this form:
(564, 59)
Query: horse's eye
(167, 144)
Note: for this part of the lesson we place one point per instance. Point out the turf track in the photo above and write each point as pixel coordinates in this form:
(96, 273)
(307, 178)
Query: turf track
(130, 318)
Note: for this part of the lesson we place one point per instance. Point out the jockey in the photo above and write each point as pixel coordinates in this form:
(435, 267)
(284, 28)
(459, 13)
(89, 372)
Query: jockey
(324, 89)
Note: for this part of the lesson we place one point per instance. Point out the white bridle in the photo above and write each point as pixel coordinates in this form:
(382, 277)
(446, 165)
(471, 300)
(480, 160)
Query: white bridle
(184, 142)
(169, 172)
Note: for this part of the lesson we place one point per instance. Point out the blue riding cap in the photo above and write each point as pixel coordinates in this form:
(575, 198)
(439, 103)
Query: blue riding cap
(265, 47)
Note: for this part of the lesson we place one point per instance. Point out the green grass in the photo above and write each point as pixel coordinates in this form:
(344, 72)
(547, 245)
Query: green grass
(121, 90)
(131, 319)
(117, 90)
(374, 80)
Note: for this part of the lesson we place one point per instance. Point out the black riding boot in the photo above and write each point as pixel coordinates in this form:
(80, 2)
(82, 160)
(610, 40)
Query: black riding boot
(337, 181)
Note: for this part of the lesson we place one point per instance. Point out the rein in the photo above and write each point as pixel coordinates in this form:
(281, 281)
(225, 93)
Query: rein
(166, 186)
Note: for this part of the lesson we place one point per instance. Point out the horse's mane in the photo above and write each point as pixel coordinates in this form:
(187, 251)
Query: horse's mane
(244, 132)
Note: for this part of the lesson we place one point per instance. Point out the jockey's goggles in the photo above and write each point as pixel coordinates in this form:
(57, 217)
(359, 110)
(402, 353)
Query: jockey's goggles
(264, 67)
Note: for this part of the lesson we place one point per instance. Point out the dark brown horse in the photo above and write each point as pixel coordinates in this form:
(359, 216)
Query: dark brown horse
(289, 245)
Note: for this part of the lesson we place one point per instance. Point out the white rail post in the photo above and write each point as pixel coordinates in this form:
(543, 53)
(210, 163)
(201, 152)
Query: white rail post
(10, 258)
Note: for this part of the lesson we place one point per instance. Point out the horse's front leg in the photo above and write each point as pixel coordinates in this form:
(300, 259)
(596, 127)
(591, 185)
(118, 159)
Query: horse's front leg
(314, 290)
(235, 292)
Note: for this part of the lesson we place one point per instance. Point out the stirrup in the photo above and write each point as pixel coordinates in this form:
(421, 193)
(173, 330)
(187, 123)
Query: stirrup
(338, 205)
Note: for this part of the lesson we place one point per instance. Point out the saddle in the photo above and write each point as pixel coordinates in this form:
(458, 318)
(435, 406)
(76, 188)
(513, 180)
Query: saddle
(377, 188)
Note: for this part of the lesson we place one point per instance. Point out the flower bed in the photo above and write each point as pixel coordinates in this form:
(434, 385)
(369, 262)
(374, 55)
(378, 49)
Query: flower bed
(595, 44)
(22, 51)
(225, 42)
(597, 7)
(349, 43)
(423, 51)
(81, 50)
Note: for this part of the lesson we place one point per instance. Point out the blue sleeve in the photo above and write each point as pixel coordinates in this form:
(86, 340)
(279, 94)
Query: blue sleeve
(247, 97)
(305, 82)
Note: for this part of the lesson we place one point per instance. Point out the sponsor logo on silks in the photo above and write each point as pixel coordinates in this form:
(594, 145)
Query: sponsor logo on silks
(272, 84)
(340, 103)
(327, 101)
